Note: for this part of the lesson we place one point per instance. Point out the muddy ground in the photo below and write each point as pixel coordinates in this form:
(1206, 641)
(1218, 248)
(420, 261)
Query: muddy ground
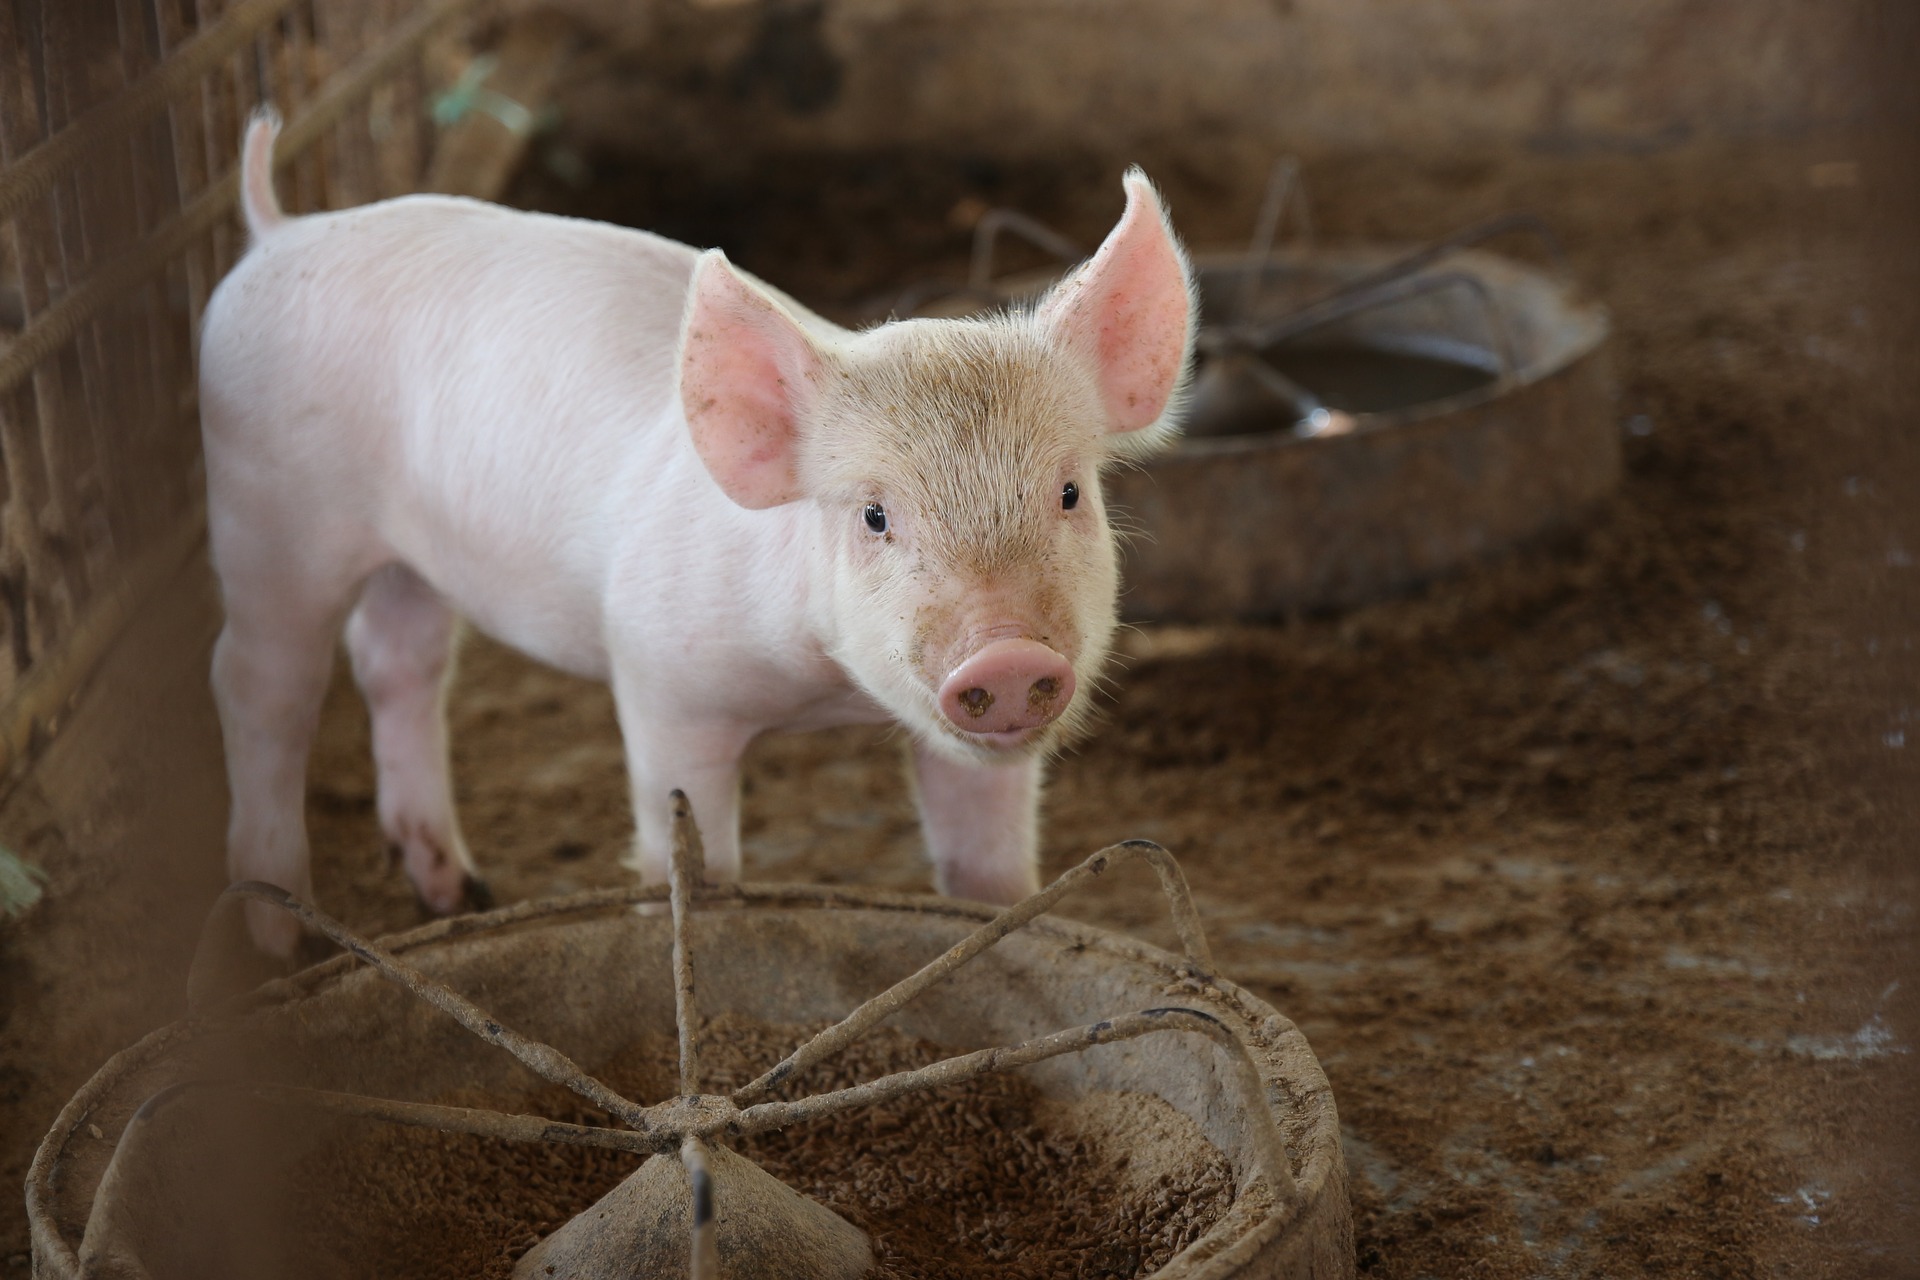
(1588, 873)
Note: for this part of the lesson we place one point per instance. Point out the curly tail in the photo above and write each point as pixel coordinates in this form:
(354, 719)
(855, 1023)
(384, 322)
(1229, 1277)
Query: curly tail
(257, 201)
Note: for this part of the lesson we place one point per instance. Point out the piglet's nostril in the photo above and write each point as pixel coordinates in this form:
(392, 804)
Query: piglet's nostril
(1008, 687)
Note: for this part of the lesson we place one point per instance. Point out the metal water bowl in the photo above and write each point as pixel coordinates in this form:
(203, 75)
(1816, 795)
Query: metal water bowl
(1471, 412)
(172, 1162)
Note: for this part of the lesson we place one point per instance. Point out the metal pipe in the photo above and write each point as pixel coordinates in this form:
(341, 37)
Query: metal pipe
(1346, 304)
(420, 1115)
(686, 867)
(703, 1262)
(1186, 922)
(1425, 256)
(1269, 1144)
(691, 1127)
(543, 1060)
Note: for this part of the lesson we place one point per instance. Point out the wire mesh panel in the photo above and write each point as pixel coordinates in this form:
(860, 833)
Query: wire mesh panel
(120, 124)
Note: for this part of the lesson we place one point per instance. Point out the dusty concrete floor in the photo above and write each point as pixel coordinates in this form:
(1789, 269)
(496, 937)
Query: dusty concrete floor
(1588, 874)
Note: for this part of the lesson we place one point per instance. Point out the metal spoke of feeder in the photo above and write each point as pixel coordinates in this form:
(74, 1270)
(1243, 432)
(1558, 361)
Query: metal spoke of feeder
(681, 1128)
(1186, 922)
(674, 1128)
(687, 866)
(470, 1121)
(1377, 296)
(1249, 342)
(1434, 251)
(704, 1243)
(951, 1071)
(542, 1059)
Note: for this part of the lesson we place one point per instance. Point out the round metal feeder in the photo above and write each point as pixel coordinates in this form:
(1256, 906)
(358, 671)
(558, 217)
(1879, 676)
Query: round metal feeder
(168, 1162)
(1362, 420)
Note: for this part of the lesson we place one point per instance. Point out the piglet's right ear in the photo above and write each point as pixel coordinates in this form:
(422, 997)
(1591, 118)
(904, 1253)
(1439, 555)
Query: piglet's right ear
(746, 369)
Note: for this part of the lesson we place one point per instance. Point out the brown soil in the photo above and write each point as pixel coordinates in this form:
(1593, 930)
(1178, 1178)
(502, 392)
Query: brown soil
(969, 1181)
(1586, 873)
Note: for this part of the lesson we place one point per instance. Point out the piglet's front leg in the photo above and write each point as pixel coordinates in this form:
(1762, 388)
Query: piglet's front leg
(981, 824)
(667, 752)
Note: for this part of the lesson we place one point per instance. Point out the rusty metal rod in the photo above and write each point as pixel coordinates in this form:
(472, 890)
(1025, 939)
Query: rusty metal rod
(1359, 294)
(479, 1123)
(1186, 922)
(680, 1127)
(1269, 1144)
(1229, 339)
(543, 1060)
(686, 867)
(1503, 224)
(703, 1262)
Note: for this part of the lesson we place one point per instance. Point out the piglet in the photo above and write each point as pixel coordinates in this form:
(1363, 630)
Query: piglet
(631, 460)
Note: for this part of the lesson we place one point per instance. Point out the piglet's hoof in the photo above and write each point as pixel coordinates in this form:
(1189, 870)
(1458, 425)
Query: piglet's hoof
(477, 894)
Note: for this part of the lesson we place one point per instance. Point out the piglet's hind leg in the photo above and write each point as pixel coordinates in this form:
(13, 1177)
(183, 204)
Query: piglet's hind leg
(401, 640)
(270, 669)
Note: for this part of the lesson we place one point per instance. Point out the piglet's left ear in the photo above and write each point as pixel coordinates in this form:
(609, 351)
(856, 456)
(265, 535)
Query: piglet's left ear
(746, 367)
(1131, 309)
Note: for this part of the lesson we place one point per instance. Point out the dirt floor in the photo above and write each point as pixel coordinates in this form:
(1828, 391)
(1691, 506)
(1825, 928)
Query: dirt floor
(1588, 873)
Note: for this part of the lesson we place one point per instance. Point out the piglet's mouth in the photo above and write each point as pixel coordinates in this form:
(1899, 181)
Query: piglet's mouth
(1005, 739)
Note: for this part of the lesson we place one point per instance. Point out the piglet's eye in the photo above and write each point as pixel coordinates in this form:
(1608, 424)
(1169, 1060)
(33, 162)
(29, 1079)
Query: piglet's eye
(1070, 496)
(876, 517)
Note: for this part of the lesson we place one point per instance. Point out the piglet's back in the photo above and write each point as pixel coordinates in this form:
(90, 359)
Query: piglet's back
(454, 385)
(403, 310)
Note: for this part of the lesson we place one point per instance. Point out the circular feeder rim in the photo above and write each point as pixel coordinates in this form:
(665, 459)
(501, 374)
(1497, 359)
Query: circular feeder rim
(45, 1233)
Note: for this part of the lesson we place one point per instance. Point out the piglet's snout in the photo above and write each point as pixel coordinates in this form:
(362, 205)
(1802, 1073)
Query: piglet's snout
(1008, 686)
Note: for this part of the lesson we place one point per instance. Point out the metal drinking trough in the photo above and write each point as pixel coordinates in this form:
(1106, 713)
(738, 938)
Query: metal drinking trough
(163, 1164)
(1362, 420)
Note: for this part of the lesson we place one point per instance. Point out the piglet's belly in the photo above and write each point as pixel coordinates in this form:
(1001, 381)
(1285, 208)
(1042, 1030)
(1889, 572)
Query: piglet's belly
(535, 608)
